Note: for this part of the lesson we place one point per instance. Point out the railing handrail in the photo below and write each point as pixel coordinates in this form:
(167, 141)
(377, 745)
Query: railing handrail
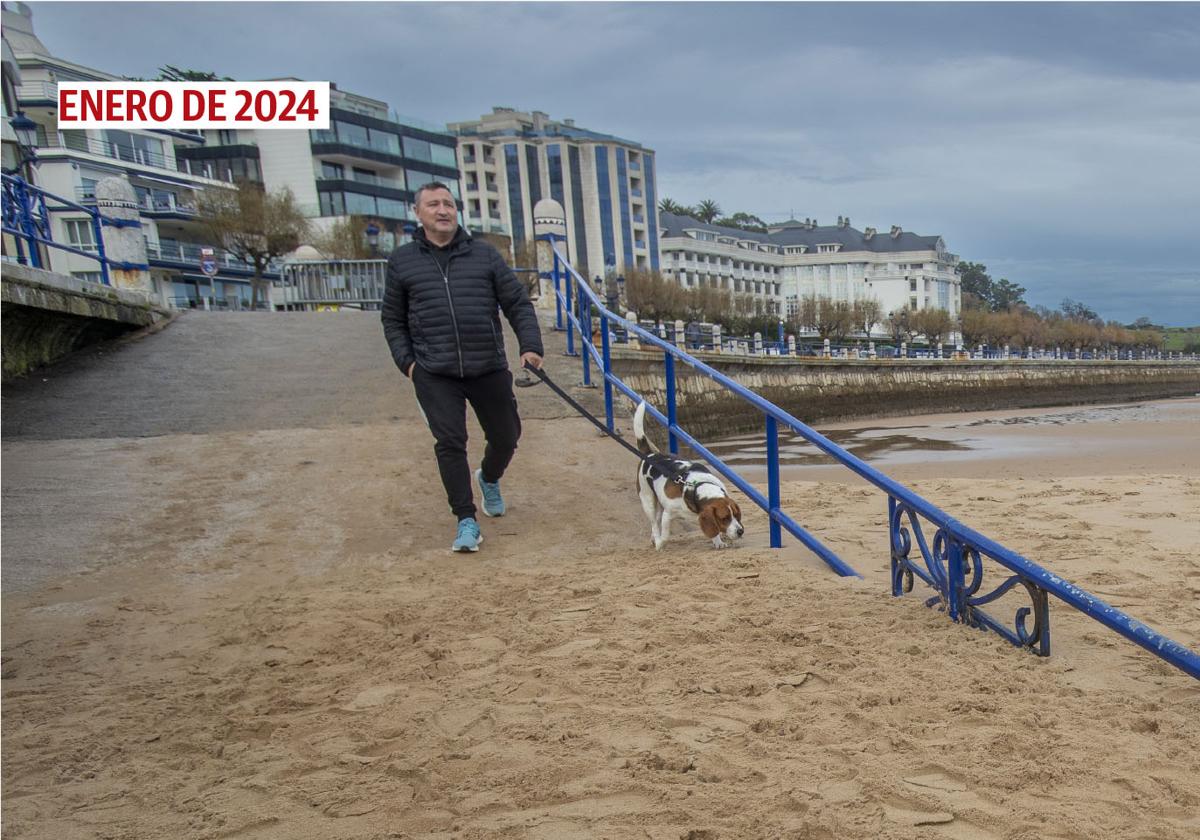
(1080, 599)
(27, 218)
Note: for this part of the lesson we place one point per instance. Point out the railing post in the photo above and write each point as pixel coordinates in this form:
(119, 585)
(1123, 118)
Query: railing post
(773, 482)
(98, 235)
(569, 282)
(585, 334)
(558, 312)
(954, 584)
(672, 441)
(606, 360)
(24, 198)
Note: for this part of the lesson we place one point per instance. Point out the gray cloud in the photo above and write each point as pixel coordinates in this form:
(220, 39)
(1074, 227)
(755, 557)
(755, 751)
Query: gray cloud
(1058, 143)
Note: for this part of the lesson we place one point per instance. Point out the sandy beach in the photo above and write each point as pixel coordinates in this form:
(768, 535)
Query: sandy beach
(265, 641)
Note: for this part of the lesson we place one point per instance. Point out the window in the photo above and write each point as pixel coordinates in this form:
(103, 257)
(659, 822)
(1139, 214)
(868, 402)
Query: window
(443, 155)
(355, 135)
(332, 170)
(417, 150)
(389, 208)
(332, 204)
(366, 176)
(87, 276)
(360, 205)
(79, 233)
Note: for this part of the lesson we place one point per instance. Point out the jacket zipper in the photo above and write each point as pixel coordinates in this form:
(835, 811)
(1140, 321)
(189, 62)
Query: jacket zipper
(462, 372)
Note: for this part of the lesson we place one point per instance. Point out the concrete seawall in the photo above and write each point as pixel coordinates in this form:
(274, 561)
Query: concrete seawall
(827, 391)
(47, 316)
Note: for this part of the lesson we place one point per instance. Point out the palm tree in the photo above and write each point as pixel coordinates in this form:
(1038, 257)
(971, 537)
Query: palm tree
(668, 205)
(707, 210)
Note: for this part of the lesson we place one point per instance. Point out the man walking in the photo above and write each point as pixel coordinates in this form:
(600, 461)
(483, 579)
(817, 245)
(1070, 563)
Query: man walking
(441, 319)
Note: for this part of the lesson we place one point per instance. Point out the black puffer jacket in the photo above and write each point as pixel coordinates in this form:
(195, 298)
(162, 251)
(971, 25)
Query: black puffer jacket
(451, 325)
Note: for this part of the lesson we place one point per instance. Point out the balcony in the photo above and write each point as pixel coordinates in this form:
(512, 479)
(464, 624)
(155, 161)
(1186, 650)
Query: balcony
(188, 253)
(148, 206)
(639, 218)
(635, 192)
(37, 92)
(634, 166)
(127, 154)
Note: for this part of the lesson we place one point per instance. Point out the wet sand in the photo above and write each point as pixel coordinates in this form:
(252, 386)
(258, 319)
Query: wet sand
(1133, 438)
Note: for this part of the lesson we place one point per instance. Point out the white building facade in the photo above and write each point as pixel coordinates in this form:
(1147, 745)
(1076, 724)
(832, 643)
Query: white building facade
(71, 163)
(510, 160)
(799, 259)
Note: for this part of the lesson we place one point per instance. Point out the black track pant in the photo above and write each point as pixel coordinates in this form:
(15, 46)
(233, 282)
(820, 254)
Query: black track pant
(444, 400)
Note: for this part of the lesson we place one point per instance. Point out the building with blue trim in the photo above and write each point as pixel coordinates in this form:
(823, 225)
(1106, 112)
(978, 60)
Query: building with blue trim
(510, 160)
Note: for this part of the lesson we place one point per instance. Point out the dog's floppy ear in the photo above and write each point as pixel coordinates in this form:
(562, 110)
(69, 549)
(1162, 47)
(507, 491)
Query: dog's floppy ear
(708, 522)
(737, 511)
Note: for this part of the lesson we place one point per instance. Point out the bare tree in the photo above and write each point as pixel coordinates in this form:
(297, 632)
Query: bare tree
(346, 239)
(935, 324)
(867, 313)
(253, 225)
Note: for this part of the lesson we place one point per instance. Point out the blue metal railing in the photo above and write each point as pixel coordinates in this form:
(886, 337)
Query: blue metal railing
(952, 564)
(26, 217)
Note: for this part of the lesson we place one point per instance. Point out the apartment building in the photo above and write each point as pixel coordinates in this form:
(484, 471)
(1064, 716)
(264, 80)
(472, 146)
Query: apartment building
(510, 160)
(166, 183)
(798, 259)
(368, 164)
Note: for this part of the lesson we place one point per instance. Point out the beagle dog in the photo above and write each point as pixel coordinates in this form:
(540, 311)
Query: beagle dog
(697, 492)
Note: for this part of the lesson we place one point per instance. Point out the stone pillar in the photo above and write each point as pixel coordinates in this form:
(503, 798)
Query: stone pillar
(716, 337)
(939, 349)
(903, 349)
(680, 338)
(548, 220)
(124, 241)
(791, 345)
(758, 344)
(634, 341)
(871, 350)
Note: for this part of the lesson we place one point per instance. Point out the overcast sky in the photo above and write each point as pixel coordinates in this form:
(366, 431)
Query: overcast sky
(1059, 144)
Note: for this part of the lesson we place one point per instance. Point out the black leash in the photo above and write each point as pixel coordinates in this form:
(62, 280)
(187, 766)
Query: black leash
(659, 463)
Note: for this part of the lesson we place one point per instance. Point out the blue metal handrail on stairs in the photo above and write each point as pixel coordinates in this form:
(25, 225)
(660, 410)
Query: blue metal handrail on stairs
(952, 564)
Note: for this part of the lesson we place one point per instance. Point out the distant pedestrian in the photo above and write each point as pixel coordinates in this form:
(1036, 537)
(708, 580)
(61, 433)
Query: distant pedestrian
(441, 317)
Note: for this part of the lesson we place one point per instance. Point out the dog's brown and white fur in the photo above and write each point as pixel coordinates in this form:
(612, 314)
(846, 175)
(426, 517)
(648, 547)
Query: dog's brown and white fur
(702, 494)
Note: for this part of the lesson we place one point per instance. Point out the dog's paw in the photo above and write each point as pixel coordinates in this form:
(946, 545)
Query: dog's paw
(658, 544)
(719, 543)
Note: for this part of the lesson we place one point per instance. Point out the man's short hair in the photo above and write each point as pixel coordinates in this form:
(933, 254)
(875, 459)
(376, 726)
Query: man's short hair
(432, 185)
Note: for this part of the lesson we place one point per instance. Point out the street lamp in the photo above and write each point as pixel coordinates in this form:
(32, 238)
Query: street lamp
(26, 131)
(373, 238)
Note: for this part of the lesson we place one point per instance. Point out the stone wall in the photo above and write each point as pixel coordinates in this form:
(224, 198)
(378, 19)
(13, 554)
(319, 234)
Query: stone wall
(827, 391)
(47, 316)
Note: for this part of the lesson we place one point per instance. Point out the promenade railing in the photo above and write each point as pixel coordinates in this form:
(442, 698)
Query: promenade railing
(952, 563)
(26, 217)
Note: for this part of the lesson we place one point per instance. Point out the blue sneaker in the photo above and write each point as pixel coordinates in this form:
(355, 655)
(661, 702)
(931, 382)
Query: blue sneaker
(493, 504)
(468, 537)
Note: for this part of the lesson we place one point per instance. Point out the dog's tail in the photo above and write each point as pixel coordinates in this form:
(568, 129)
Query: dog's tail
(639, 429)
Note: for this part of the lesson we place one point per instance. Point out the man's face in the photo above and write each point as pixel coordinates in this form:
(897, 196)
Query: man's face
(438, 212)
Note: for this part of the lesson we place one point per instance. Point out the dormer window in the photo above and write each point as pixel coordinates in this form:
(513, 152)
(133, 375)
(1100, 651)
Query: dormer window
(829, 248)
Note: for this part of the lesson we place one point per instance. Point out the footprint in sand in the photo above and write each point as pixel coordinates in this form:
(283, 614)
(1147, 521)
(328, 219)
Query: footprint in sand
(370, 698)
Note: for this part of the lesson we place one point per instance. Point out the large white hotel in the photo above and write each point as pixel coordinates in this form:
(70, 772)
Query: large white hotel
(510, 160)
(798, 259)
